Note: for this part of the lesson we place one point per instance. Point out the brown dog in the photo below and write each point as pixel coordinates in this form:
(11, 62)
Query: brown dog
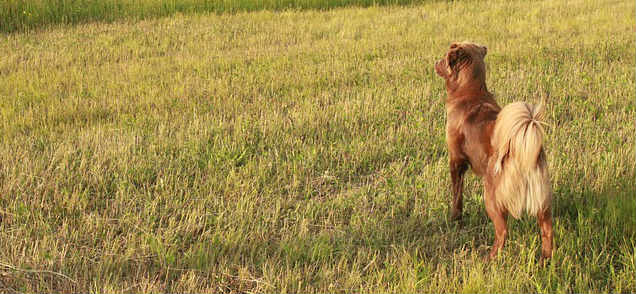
(503, 146)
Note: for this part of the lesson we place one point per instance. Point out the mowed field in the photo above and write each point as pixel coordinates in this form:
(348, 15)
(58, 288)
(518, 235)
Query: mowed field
(303, 151)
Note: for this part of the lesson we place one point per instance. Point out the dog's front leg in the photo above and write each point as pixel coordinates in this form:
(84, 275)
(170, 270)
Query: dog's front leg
(458, 167)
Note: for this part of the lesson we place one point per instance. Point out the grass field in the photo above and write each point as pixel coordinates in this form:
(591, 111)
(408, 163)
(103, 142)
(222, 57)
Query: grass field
(303, 151)
(21, 15)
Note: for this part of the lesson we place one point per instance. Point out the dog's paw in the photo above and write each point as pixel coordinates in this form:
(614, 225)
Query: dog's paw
(455, 215)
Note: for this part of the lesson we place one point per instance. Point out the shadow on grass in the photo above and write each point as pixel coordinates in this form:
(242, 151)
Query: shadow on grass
(588, 226)
(591, 231)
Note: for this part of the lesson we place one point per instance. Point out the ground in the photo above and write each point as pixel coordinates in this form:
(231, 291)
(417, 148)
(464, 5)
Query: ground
(303, 151)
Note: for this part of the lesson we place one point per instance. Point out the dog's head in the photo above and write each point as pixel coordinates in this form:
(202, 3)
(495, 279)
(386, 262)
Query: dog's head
(463, 65)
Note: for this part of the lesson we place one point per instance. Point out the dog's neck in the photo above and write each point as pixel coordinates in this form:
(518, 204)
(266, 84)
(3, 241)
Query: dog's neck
(472, 90)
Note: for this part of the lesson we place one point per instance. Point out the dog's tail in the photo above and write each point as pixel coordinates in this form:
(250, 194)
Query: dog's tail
(520, 167)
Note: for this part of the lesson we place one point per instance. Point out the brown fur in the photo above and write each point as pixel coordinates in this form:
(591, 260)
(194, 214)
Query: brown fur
(503, 146)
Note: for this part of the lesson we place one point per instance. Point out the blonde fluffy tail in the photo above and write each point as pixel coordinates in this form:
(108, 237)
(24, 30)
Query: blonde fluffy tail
(520, 167)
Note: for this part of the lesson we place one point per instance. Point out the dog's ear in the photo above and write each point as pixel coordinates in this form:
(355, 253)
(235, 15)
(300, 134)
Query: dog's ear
(484, 51)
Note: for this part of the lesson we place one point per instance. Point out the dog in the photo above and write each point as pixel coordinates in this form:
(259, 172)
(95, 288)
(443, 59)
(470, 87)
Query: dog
(502, 146)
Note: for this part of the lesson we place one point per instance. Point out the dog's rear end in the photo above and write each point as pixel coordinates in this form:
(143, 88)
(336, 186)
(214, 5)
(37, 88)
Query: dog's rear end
(519, 165)
(519, 174)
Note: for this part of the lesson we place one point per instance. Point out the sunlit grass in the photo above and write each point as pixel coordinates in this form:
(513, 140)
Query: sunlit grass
(303, 151)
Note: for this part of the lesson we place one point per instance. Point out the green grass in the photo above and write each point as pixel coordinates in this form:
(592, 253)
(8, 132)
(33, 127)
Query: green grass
(303, 151)
(21, 15)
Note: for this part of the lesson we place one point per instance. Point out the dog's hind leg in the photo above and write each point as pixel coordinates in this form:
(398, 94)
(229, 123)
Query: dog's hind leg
(458, 167)
(498, 215)
(544, 219)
